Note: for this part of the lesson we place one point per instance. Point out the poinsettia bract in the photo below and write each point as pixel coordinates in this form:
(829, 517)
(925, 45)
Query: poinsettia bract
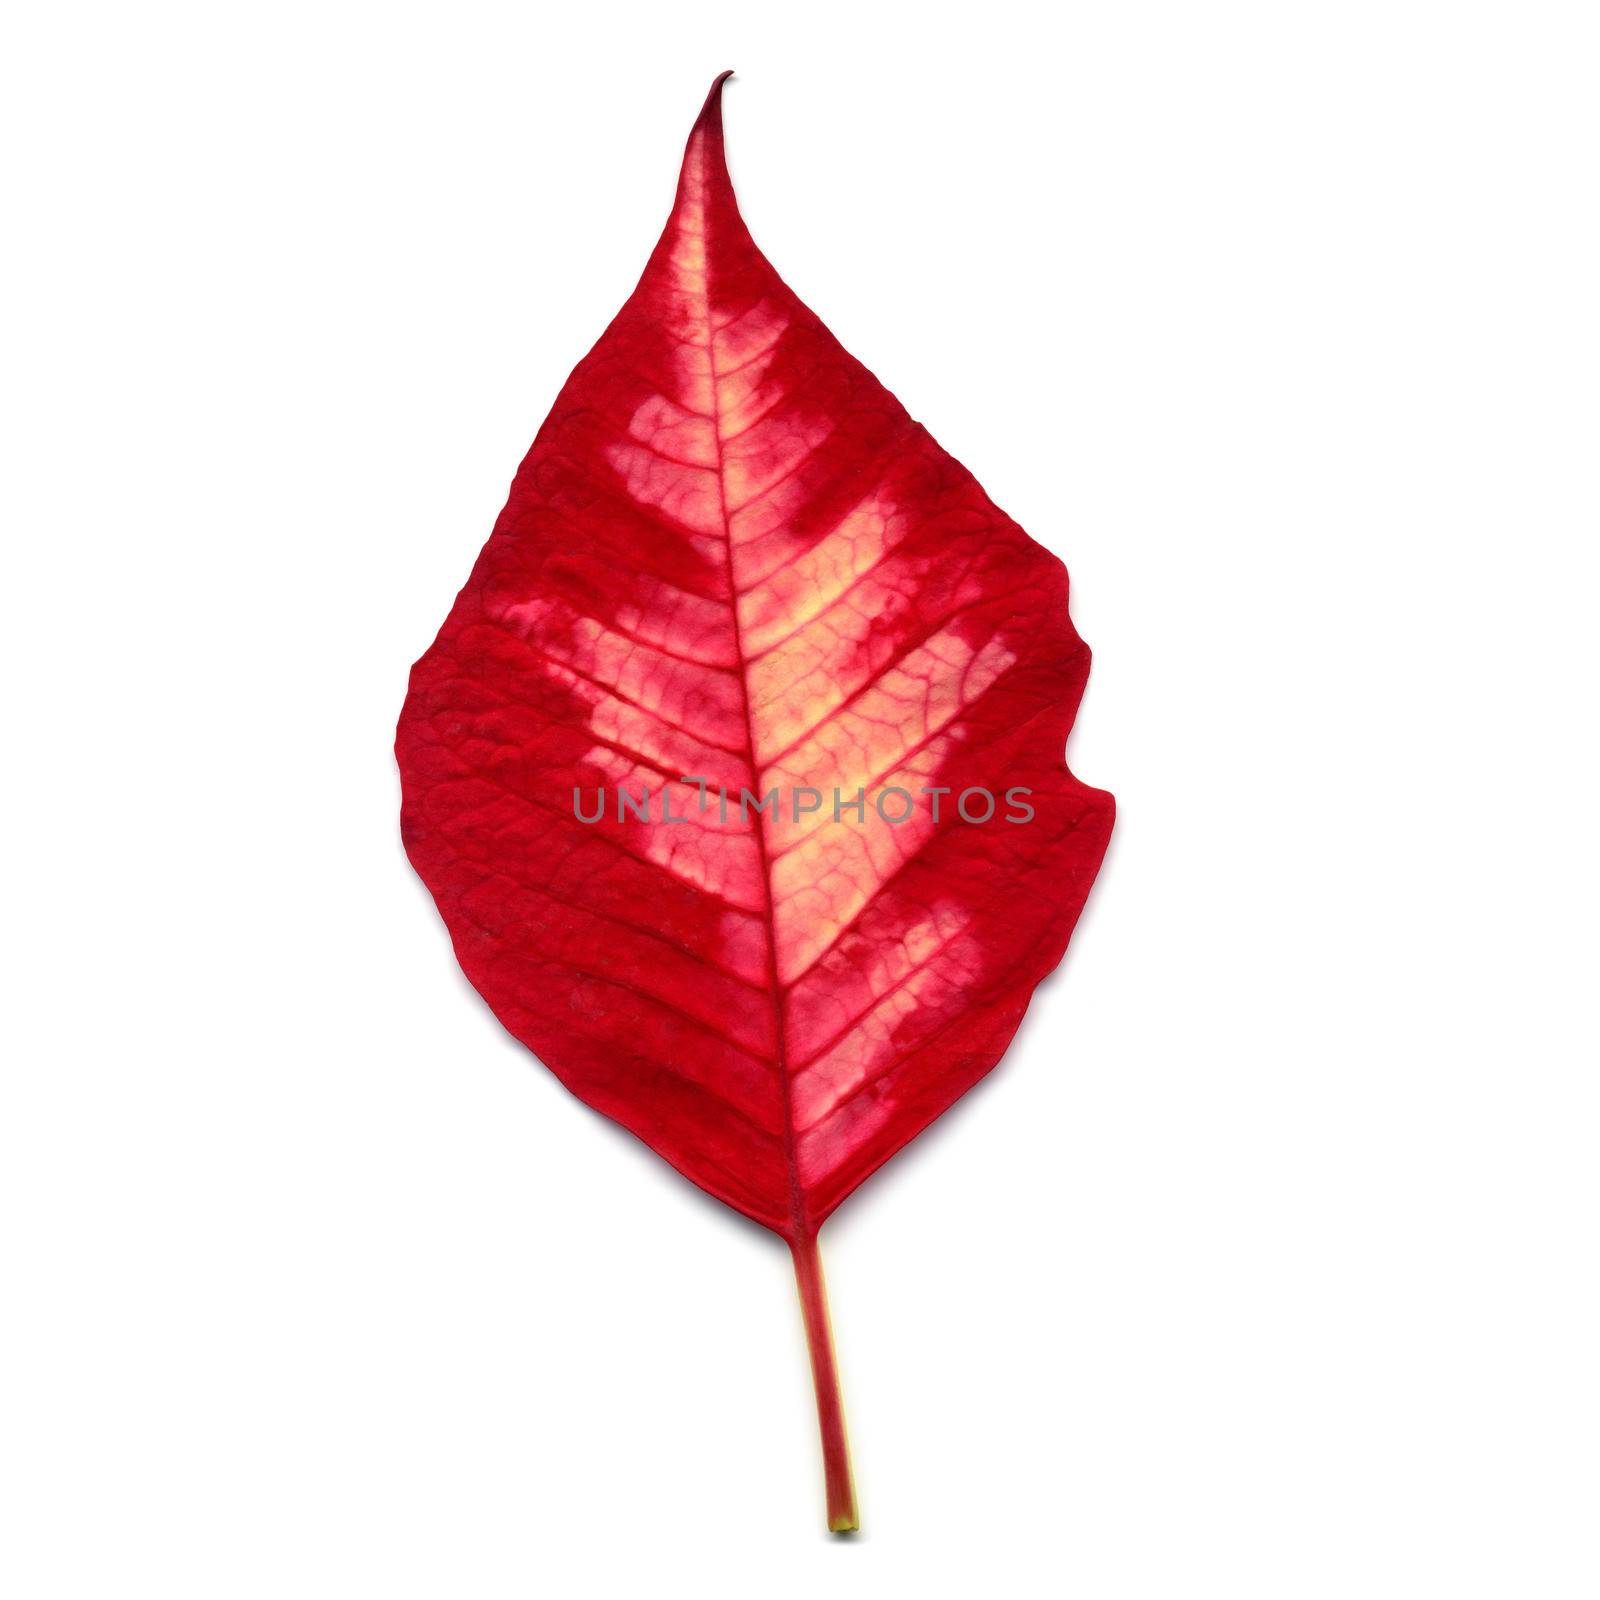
(737, 769)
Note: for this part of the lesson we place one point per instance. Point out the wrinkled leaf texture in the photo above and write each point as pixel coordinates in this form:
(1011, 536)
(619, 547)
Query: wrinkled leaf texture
(731, 555)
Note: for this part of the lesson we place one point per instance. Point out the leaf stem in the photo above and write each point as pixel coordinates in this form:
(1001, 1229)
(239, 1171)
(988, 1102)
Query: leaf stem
(842, 1517)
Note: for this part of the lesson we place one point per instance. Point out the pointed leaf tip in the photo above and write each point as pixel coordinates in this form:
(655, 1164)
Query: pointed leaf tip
(710, 116)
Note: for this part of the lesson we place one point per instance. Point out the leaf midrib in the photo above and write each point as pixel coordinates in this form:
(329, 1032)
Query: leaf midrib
(775, 992)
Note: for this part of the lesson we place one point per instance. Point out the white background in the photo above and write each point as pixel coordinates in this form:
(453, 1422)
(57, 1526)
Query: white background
(1265, 1265)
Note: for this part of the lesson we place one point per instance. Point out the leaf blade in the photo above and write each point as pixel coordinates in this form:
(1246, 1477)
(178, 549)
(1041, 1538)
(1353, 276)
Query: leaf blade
(731, 554)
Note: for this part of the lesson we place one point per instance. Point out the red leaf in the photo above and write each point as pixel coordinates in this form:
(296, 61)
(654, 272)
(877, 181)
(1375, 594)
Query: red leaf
(732, 556)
